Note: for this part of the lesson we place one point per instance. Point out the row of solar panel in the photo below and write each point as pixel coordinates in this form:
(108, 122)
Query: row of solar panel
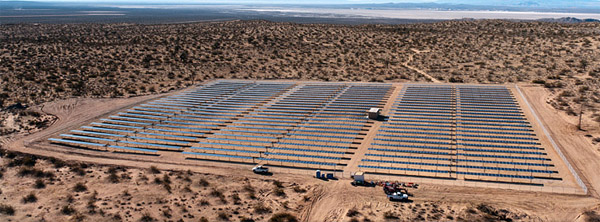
(466, 131)
(446, 148)
(461, 166)
(458, 135)
(371, 156)
(448, 172)
(397, 122)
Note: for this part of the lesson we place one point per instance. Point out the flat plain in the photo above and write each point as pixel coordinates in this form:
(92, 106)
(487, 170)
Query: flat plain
(68, 76)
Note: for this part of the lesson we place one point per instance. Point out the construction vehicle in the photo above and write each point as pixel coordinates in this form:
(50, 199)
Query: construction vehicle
(411, 185)
(394, 188)
(260, 169)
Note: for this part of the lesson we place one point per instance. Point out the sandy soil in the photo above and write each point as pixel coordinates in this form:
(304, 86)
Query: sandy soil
(578, 149)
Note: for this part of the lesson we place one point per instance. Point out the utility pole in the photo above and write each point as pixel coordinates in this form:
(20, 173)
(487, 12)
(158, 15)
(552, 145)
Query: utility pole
(581, 114)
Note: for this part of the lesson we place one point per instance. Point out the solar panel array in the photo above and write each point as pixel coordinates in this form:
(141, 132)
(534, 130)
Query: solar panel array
(469, 132)
(310, 125)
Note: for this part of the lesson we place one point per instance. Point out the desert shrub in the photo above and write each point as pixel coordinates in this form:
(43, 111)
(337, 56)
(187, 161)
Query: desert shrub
(555, 84)
(67, 210)
(455, 80)
(278, 183)
(79, 187)
(78, 169)
(7, 209)
(203, 219)
(487, 209)
(216, 193)
(223, 215)
(154, 170)
(471, 211)
(58, 163)
(249, 188)
(390, 215)
(306, 198)
(204, 202)
(260, 208)
(244, 219)
(219, 194)
(352, 212)
(39, 184)
(31, 113)
(252, 195)
(203, 182)
(117, 217)
(70, 198)
(113, 178)
(30, 198)
(112, 170)
(167, 213)
(166, 179)
(147, 217)
(26, 160)
(591, 216)
(167, 187)
(278, 191)
(299, 189)
(78, 217)
(539, 81)
(236, 199)
(28, 171)
(94, 196)
(9, 154)
(91, 206)
(283, 217)
(566, 93)
(570, 111)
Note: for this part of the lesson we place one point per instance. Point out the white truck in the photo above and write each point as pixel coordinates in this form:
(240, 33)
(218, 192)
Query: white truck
(260, 169)
(397, 196)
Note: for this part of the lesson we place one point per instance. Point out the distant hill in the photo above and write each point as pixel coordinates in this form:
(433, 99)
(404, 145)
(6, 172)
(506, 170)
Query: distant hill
(568, 20)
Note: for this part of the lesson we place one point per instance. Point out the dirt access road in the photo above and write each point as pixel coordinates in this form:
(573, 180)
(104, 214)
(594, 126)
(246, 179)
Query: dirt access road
(410, 58)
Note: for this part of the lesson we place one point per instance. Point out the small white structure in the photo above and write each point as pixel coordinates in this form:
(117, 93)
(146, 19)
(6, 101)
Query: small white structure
(359, 177)
(373, 113)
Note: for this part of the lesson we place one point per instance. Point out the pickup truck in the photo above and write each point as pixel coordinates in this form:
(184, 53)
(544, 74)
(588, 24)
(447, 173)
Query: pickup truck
(260, 169)
(397, 196)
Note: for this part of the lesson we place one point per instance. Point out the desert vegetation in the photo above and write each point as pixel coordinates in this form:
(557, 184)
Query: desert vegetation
(67, 194)
(44, 62)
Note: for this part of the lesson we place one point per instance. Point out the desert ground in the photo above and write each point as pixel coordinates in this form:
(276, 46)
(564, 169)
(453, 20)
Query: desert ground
(58, 77)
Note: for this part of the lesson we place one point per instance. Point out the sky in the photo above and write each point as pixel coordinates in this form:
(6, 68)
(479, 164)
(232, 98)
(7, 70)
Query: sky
(518, 3)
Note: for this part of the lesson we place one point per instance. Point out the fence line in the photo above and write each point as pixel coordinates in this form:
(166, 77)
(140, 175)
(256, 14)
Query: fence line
(554, 145)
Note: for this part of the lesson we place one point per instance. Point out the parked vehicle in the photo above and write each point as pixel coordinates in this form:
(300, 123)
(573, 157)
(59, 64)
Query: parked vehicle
(398, 196)
(260, 169)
